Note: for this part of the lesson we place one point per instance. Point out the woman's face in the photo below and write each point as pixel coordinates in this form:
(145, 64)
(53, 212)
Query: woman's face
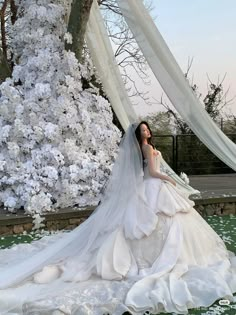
(144, 131)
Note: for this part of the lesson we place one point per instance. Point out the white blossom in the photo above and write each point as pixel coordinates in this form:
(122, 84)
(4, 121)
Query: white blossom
(10, 202)
(37, 221)
(13, 149)
(68, 38)
(2, 164)
(184, 177)
(57, 140)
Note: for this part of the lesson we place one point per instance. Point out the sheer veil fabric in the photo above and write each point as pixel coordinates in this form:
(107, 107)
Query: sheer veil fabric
(145, 248)
(123, 206)
(173, 81)
(106, 65)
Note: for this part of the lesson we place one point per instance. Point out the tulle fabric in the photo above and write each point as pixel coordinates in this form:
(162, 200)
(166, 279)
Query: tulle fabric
(173, 81)
(104, 61)
(180, 263)
(124, 193)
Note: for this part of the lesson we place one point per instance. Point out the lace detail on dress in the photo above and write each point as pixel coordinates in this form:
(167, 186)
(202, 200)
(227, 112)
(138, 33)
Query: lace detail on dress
(91, 298)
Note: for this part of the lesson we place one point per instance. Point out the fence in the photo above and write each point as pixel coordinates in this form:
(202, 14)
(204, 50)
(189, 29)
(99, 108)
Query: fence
(186, 153)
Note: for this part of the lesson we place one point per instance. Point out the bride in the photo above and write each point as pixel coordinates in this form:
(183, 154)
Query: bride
(144, 249)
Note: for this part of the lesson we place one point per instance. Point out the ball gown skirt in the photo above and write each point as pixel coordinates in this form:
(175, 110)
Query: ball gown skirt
(180, 264)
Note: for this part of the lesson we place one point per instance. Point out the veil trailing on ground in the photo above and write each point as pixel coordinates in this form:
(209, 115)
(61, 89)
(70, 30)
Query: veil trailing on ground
(123, 206)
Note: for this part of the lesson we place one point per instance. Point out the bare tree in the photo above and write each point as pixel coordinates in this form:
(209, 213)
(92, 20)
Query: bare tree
(161, 123)
(216, 99)
(128, 55)
(127, 52)
(180, 124)
(214, 102)
(3, 27)
(5, 70)
(79, 15)
(8, 12)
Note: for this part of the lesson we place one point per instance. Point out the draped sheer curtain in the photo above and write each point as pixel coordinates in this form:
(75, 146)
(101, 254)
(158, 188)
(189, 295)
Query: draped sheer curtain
(173, 81)
(104, 61)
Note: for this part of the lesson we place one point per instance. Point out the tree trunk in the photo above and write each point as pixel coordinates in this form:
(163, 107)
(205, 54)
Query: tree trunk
(5, 70)
(78, 19)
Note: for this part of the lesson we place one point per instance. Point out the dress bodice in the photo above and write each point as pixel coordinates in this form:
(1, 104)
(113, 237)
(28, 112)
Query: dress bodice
(157, 160)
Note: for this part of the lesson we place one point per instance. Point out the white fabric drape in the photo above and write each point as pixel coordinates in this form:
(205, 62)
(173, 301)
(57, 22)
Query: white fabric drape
(173, 82)
(103, 58)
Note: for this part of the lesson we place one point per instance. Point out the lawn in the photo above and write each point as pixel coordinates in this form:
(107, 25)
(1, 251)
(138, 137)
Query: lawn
(225, 226)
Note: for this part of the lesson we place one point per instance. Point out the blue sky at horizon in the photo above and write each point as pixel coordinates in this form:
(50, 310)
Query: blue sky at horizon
(204, 30)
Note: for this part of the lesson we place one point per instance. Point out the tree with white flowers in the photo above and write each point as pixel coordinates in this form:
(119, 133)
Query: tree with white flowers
(57, 140)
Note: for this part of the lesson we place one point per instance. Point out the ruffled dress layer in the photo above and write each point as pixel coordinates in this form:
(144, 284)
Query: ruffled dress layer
(177, 262)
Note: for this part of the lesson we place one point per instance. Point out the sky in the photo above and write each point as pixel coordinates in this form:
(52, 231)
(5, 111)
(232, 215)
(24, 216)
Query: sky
(203, 30)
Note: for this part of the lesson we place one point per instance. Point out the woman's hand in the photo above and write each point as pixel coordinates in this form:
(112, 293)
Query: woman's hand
(172, 181)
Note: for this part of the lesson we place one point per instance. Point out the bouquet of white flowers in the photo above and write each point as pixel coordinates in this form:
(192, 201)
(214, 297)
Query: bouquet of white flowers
(184, 177)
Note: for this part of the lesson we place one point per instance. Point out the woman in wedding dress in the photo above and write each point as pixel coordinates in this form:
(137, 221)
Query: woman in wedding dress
(144, 249)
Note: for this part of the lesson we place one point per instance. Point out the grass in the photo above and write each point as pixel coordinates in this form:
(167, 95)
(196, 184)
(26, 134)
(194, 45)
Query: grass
(8, 241)
(225, 226)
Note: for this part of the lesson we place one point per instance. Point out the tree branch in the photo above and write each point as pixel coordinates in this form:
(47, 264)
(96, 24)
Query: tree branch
(79, 15)
(5, 70)
(3, 29)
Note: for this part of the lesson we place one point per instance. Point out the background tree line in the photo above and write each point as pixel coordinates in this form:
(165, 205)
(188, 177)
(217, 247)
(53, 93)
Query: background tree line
(185, 152)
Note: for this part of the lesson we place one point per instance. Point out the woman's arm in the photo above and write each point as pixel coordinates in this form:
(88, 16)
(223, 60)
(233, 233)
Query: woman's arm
(148, 153)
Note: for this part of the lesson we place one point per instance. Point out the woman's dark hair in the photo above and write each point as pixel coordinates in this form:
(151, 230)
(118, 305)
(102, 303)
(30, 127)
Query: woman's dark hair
(139, 138)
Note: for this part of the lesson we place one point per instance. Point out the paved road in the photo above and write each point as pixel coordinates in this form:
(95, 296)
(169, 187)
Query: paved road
(215, 185)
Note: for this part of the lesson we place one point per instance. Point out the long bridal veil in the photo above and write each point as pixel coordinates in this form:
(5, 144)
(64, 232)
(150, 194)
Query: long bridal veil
(122, 200)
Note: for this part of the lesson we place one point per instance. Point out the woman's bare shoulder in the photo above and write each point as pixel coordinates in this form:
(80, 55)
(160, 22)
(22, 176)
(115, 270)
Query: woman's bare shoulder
(147, 150)
(147, 147)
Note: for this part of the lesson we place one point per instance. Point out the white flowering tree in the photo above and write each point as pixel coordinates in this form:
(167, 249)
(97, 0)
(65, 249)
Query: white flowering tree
(57, 139)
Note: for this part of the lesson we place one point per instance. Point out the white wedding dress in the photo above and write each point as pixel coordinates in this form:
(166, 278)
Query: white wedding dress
(181, 263)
